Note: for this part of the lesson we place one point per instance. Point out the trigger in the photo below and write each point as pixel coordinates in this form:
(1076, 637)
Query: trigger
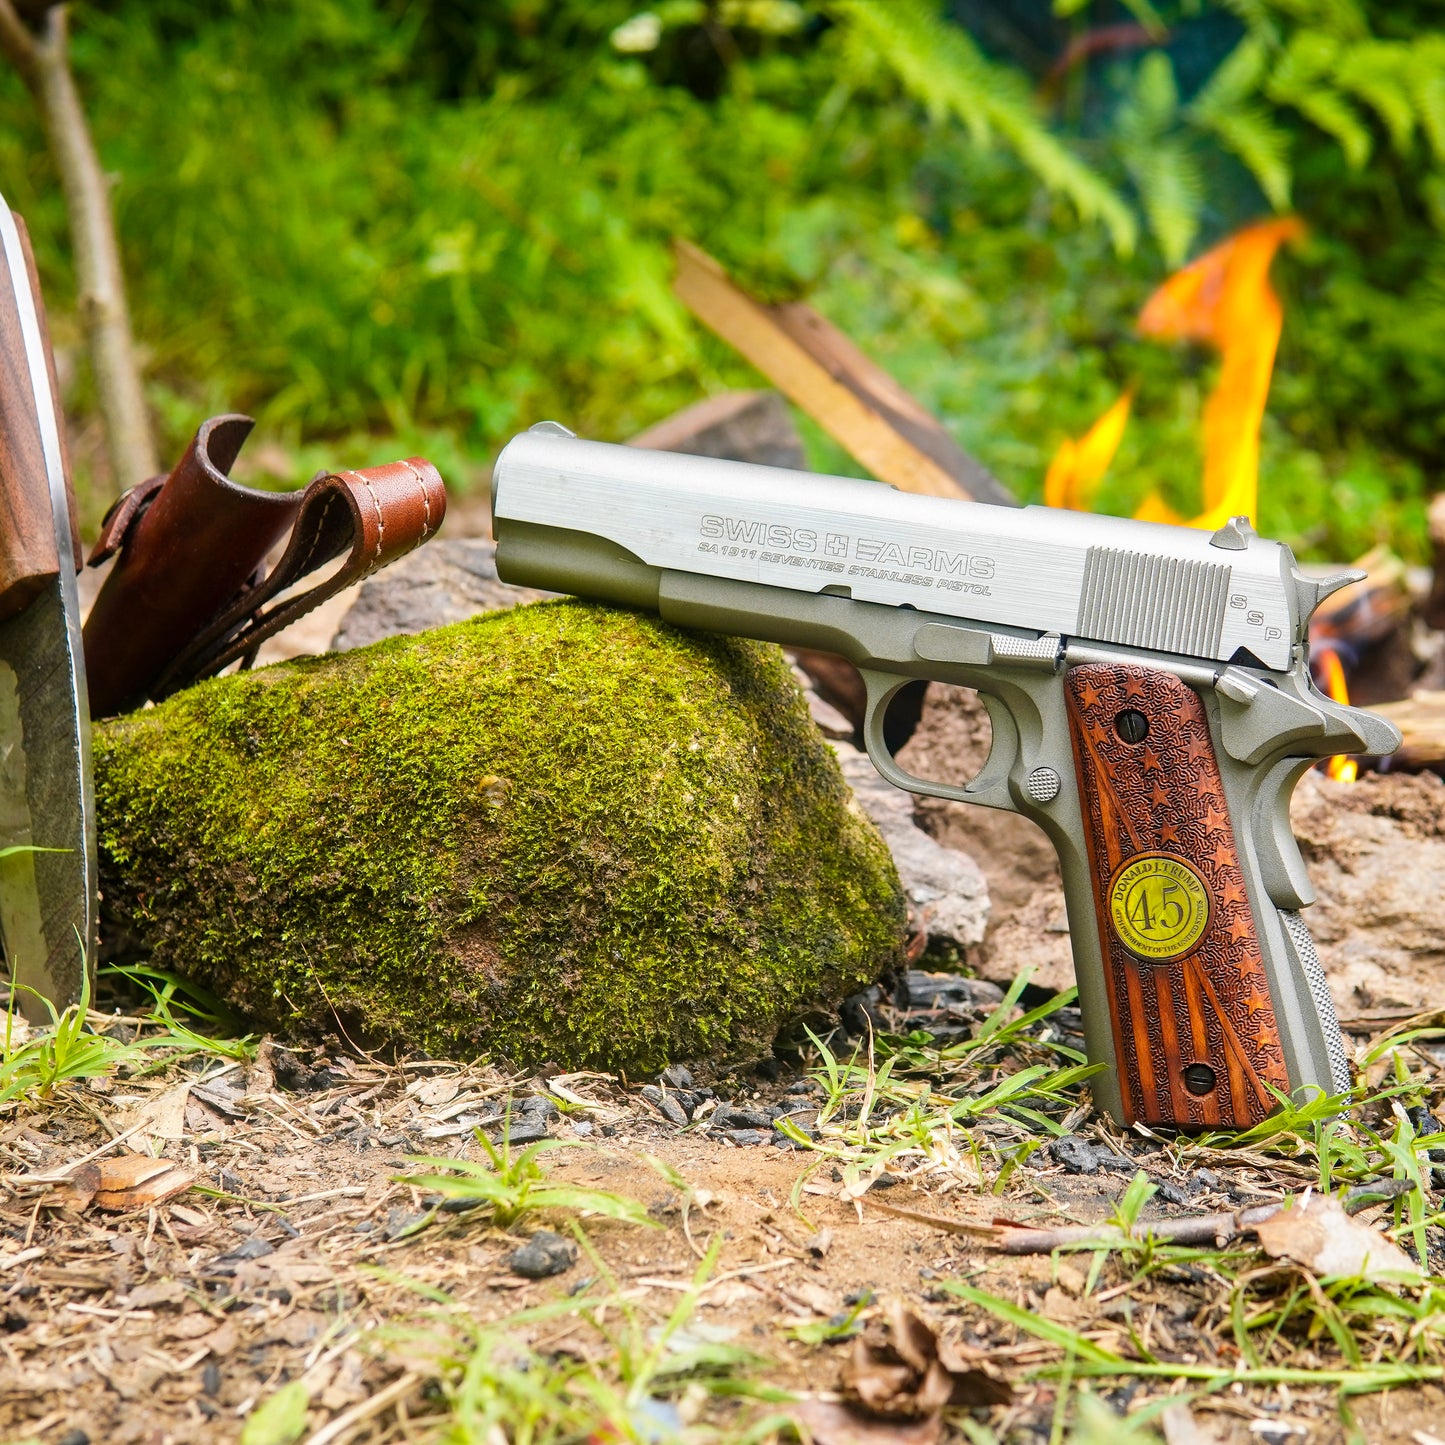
(1281, 867)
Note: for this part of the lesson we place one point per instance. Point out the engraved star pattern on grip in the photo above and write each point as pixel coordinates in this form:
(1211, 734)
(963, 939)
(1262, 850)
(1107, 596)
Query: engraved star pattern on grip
(1173, 788)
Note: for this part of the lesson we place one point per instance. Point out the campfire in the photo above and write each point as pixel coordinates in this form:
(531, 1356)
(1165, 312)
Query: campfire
(1361, 635)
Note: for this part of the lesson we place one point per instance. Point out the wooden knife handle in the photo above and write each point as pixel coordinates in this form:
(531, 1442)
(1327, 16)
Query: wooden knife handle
(1195, 1033)
(29, 556)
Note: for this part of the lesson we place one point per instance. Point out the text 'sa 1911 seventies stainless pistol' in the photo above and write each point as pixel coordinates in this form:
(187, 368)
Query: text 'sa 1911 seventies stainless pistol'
(1149, 692)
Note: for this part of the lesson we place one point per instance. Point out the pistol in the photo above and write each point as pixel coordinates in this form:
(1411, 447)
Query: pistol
(1149, 693)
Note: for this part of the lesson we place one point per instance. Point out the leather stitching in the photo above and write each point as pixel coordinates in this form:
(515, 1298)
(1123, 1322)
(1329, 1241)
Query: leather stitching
(380, 518)
(425, 502)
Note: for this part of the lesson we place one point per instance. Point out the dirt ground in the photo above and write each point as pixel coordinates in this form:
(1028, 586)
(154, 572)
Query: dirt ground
(290, 1251)
(280, 1244)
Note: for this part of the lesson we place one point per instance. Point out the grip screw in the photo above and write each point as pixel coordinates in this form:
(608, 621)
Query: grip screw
(1132, 725)
(1042, 785)
(1200, 1079)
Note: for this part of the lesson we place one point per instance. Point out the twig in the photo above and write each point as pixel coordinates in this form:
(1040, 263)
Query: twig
(1206, 1229)
(937, 1221)
(42, 58)
(348, 1420)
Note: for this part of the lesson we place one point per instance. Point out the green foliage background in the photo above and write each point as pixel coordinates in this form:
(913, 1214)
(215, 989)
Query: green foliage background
(424, 224)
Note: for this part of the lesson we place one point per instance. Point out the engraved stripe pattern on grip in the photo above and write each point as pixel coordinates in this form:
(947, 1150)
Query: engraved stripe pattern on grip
(1163, 603)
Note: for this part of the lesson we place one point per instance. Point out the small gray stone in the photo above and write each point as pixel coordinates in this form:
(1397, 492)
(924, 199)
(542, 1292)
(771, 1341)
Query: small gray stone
(677, 1077)
(946, 990)
(1077, 1155)
(543, 1255)
(665, 1104)
(529, 1129)
(729, 1117)
(750, 1136)
(253, 1248)
(945, 887)
(401, 1222)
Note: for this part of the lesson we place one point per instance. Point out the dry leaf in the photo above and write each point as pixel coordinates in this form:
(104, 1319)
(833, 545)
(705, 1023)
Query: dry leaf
(430, 1093)
(1317, 1233)
(154, 1292)
(300, 1327)
(1063, 1309)
(221, 1341)
(261, 1076)
(191, 1327)
(203, 1118)
(132, 1181)
(1183, 1427)
(830, 1423)
(1071, 1278)
(163, 1115)
(901, 1375)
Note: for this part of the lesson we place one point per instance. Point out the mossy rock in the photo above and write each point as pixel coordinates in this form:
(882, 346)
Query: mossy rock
(561, 832)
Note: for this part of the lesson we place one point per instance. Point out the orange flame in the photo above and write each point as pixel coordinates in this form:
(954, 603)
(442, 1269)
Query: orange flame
(1078, 466)
(1342, 770)
(1225, 300)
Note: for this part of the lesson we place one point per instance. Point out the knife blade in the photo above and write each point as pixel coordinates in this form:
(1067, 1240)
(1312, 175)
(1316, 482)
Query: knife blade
(48, 899)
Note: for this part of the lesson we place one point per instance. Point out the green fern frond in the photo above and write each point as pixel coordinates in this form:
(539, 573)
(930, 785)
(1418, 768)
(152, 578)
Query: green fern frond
(1163, 169)
(1427, 88)
(946, 79)
(1263, 147)
(1171, 190)
(1148, 17)
(1092, 196)
(1237, 78)
(1226, 108)
(1264, 18)
(1333, 114)
(1156, 94)
(1258, 18)
(941, 67)
(1381, 75)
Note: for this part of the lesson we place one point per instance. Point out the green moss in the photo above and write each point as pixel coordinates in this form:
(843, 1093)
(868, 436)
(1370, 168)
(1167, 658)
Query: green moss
(561, 832)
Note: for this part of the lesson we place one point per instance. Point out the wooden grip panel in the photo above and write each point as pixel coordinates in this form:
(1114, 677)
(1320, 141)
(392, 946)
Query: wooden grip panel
(1195, 1033)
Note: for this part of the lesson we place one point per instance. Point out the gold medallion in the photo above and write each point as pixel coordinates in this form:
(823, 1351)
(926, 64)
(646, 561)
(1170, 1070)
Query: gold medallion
(1159, 906)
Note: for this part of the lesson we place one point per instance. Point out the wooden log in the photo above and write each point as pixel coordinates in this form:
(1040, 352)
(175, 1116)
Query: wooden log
(1421, 720)
(819, 369)
(1434, 609)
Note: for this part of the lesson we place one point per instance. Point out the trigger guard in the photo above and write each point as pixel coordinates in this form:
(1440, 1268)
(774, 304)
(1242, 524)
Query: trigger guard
(989, 787)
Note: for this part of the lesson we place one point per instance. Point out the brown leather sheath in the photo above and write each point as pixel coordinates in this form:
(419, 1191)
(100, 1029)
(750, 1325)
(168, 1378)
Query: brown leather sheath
(189, 594)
